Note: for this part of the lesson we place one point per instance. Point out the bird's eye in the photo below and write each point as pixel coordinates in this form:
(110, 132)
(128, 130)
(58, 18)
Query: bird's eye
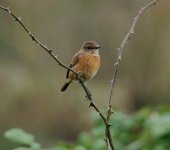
(88, 47)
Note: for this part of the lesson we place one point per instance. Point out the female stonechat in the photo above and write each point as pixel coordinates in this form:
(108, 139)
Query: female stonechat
(86, 63)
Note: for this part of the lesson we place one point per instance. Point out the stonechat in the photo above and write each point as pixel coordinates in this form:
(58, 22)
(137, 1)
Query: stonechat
(86, 63)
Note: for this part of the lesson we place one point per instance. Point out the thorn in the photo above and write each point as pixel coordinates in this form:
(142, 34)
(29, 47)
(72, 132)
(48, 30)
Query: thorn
(132, 32)
(33, 38)
(135, 17)
(109, 125)
(116, 63)
(19, 18)
(107, 109)
(154, 3)
(119, 58)
(91, 104)
(129, 38)
(50, 50)
(117, 49)
(111, 81)
(29, 33)
(111, 112)
(8, 9)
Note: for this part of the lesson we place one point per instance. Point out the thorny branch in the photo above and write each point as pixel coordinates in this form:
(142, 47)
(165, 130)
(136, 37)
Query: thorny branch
(49, 51)
(116, 64)
(106, 119)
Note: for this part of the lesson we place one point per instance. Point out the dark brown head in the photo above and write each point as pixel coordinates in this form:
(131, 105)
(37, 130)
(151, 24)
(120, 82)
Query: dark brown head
(90, 47)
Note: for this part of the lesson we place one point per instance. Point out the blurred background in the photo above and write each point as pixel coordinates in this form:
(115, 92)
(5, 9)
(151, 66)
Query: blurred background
(30, 80)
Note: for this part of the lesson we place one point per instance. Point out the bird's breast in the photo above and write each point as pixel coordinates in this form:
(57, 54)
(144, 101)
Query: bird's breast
(88, 66)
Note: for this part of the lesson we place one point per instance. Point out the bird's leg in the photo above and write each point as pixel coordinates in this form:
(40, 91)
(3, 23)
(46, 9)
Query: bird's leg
(88, 96)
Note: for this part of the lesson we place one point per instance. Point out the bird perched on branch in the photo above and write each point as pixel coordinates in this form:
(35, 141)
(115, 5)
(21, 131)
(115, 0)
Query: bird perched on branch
(85, 63)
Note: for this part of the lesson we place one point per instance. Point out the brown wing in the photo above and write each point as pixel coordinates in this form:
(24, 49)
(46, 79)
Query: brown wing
(75, 60)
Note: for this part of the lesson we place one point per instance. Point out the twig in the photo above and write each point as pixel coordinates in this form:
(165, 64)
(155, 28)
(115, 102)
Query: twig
(119, 51)
(49, 51)
(132, 29)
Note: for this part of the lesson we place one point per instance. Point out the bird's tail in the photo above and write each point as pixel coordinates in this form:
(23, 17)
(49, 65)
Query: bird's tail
(65, 86)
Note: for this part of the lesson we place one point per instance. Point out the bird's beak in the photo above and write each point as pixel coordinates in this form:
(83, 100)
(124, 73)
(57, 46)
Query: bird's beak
(98, 47)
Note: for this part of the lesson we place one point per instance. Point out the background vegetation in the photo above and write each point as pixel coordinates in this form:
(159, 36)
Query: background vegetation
(146, 130)
(30, 80)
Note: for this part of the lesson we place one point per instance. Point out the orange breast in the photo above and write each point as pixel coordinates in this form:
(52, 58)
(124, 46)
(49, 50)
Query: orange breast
(87, 66)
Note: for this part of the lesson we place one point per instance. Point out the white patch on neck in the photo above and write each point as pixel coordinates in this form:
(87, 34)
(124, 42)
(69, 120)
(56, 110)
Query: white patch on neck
(95, 52)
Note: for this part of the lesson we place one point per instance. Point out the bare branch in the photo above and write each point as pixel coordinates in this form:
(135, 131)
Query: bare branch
(132, 28)
(49, 51)
(119, 51)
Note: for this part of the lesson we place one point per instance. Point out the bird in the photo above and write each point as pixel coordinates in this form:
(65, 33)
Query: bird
(85, 63)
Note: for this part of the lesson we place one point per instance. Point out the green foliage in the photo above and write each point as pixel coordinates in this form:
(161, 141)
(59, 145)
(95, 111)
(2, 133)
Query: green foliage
(19, 136)
(23, 138)
(146, 130)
